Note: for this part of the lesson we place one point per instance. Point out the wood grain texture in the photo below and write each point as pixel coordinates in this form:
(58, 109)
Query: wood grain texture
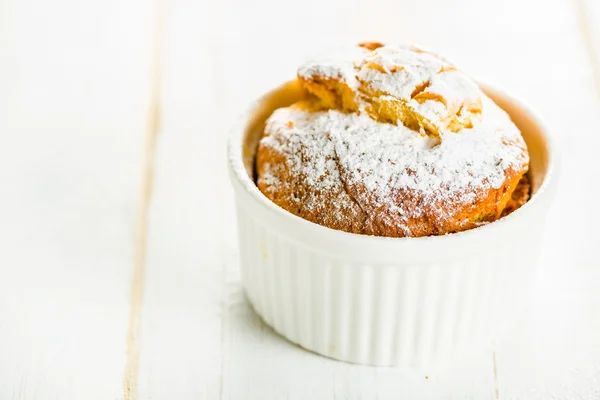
(131, 372)
(182, 314)
(588, 12)
(73, 79)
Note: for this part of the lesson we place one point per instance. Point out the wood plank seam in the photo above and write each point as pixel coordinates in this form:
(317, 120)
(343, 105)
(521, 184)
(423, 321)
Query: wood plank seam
(217, 46)
(588, 41)
(495, 368)
(224, 326)
(131, 372)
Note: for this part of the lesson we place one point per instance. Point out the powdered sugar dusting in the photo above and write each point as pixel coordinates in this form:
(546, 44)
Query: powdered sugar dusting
(336, 63)
(426, 83)
(402, 69)
(334, 152)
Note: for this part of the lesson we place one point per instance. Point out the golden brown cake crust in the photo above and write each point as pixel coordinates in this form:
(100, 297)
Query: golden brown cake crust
(519, 197)
(332, 162)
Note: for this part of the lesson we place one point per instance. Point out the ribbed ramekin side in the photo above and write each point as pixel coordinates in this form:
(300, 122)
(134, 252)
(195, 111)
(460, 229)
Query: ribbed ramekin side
(382, 314)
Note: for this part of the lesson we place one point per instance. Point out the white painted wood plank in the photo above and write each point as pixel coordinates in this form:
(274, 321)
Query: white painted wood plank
(181, 318)
(73, 78)
(555, 353)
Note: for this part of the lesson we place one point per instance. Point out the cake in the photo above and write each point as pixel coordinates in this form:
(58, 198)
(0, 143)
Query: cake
(392, 141)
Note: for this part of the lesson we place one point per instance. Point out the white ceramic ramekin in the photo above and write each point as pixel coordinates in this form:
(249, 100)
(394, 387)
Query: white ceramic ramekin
(386, 301)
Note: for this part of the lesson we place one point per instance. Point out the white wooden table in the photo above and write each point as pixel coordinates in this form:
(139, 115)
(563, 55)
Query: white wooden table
(119, 275)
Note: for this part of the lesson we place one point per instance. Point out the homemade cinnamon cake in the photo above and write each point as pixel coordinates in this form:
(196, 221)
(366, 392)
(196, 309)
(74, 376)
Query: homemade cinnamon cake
(392, 141)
